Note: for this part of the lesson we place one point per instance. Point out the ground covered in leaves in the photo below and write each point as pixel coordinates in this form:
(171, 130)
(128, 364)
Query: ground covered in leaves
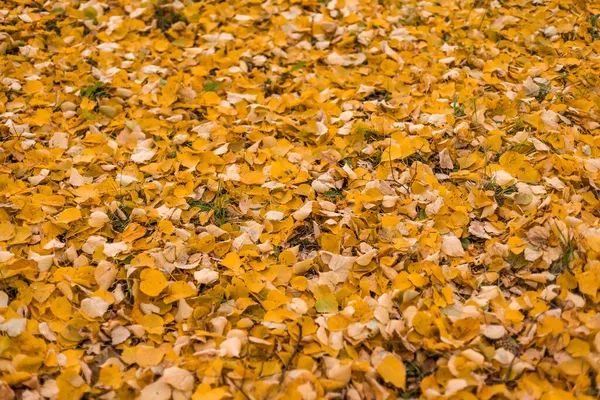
(299, 199)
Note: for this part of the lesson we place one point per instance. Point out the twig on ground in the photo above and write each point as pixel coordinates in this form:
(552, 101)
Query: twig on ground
(296, 350)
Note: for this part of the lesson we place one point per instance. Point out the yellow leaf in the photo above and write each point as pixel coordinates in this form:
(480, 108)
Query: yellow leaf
(516, 244)
(578, 348)
(147, 356)
(232, 261)
(152, 282)
(205, 392)
(574, 367)
(399, 151)
(422, 322)
(110, 377)
(169, 93)
(393, 371)
(161, 45)
(337, 323)
(33, 87)
(71, 385)
(178, 290)
(153, 324)
(69, 215)
(61, 308)
(326, 301)
(7, 231)
(283, 171)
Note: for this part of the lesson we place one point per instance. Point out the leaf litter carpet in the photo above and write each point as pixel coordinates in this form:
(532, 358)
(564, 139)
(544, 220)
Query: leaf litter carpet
(342, 199)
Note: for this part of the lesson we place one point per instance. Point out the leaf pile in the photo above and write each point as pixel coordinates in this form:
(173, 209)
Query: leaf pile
(299, 199)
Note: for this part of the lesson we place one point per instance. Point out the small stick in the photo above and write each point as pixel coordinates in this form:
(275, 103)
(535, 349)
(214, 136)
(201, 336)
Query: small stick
(510, 367)
(240, 388)
(296, 350)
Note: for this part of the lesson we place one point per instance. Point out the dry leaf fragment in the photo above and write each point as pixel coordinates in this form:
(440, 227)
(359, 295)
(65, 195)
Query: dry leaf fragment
(4, 300)
(530, 87)
(158, 390)
(452, 246)
(178, 378)
(346, 59)
(445, 159)
(112, 249)
(303, 212)
(98, 219)
(493, 331)
(119, 334)
(274, 215)
(206, 276)
(94, 307)
(14, 326)
(6, 256)
(231, 347)
(341, 372)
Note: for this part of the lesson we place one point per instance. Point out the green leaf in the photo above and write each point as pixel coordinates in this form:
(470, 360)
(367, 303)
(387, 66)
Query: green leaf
(333, 193)
(298, 66)
(88, 115)
(211, 86)
(94, 91)
(90, 13)
(465, 242)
